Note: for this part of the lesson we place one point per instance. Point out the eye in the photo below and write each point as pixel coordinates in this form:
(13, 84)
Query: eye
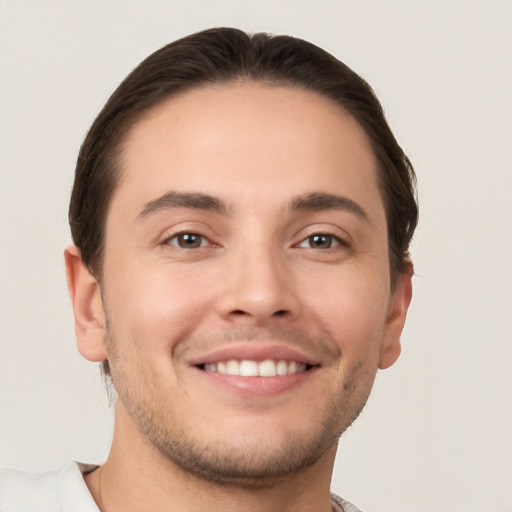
(187, 241)
(320, 241)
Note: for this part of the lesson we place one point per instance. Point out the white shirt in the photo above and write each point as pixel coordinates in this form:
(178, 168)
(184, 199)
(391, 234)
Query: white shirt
(63, 491)
(54, 491)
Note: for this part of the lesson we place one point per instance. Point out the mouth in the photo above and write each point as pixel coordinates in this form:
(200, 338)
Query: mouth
(255, 371)
(253, 368)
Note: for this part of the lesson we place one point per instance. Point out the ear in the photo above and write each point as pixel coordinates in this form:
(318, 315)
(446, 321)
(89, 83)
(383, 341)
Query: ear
(85, 294)
(397, 311)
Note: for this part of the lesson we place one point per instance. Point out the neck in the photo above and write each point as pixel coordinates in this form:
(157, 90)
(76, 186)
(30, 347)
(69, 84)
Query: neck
(136, 478)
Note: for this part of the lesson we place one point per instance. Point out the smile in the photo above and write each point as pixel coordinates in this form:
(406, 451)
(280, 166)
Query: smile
(250, 368)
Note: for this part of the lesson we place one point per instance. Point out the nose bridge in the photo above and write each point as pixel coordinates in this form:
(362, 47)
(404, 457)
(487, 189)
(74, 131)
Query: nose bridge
(260, 282)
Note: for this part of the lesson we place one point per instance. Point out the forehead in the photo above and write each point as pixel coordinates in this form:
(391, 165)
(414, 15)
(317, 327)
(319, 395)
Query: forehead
(247, 141)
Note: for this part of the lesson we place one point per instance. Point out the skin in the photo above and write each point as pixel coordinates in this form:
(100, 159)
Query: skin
(255, 173)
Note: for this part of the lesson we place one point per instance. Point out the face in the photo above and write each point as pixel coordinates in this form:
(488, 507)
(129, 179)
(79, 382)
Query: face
(246, 284)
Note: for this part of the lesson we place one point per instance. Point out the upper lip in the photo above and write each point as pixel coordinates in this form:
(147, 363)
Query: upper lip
(254, 352)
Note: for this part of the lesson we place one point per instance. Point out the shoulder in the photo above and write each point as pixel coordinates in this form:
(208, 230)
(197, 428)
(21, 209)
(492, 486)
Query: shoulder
(53, 491)
(343, 505)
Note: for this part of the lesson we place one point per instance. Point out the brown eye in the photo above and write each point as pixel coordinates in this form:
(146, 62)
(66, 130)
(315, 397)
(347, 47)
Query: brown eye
(187, 240)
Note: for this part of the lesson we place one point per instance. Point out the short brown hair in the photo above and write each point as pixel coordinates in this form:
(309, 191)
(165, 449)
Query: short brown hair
(224, 55)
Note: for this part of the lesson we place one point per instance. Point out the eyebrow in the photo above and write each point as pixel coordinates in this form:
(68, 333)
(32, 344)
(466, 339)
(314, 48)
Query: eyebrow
(315, 201)
(173, 199)
(318, 201)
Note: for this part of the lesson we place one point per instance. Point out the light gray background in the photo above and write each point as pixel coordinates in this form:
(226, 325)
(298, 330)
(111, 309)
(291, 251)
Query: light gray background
(437, 433)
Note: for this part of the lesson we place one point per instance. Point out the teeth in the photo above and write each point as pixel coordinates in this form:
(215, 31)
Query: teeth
(282, 368)
(232, 368)
(267, 369)
(248, 368)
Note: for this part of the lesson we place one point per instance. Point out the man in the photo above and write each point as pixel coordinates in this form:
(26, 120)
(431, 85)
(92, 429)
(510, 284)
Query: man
(241, 215)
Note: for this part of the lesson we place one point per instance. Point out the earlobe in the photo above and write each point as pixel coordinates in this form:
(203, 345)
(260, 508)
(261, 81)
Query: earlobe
(397, 312)
(85, 294)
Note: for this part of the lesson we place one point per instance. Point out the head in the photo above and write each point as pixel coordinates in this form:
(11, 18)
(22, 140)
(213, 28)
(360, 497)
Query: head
(241, 198)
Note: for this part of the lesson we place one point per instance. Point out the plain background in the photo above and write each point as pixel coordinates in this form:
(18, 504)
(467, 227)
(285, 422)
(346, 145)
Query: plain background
(437, 432)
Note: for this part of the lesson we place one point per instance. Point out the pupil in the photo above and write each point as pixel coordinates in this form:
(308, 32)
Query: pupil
(321, 241)
(188, 240)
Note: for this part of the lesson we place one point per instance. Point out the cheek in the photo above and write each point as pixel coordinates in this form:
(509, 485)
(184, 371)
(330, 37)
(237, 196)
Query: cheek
(154, 309)
(351, 311)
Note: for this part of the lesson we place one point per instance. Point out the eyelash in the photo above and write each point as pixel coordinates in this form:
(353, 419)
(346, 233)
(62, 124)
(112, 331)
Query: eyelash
(327, 237)
(188, 240)
(187, 235)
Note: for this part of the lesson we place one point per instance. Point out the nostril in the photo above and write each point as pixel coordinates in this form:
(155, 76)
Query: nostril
(280, 312)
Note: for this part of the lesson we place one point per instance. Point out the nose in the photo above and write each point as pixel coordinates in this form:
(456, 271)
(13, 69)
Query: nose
(259, 287)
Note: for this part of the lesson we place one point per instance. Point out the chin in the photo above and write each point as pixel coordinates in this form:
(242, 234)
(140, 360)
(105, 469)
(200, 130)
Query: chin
(251, 457)
(249, 464)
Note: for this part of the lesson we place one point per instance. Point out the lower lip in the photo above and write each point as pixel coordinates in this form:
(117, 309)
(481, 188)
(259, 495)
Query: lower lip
(257, 386)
